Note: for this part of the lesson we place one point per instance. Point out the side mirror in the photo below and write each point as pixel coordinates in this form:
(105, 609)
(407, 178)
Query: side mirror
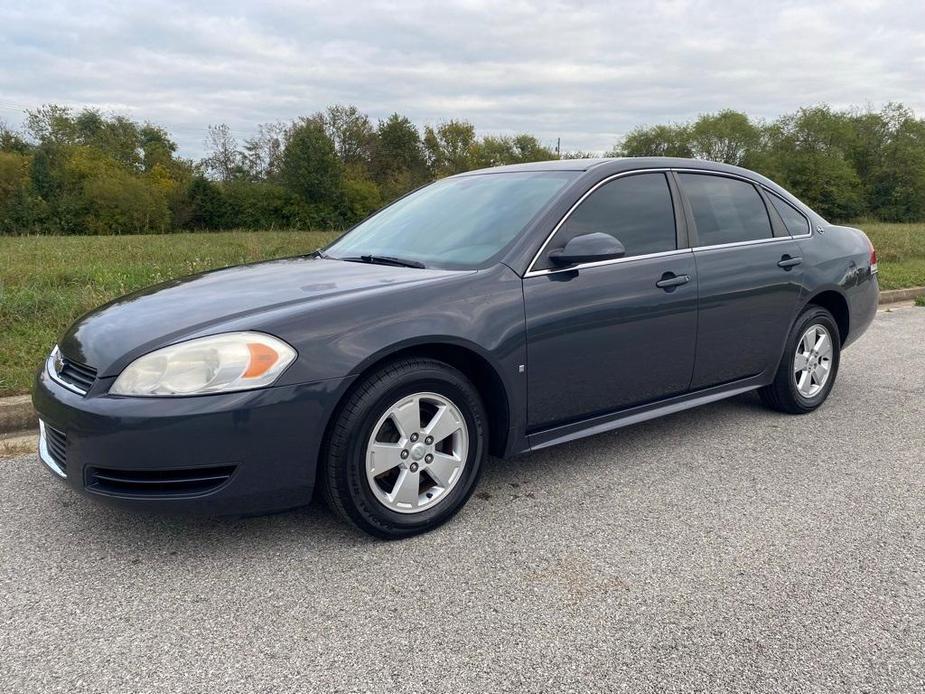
(588, 248)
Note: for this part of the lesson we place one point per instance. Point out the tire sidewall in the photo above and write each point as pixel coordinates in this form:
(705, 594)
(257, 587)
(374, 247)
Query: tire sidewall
(372, 513)
(813, 316)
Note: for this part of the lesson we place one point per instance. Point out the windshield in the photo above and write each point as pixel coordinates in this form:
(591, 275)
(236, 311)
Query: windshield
(456, 223)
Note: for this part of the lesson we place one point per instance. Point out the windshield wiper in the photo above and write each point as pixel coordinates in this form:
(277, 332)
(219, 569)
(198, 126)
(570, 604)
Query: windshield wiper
(385, 260)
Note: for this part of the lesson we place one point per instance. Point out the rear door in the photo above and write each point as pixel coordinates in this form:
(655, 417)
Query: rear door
(608, 335)
(750, 278)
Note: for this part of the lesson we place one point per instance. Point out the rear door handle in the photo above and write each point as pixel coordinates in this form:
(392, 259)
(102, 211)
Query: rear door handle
(787, 262)
(670, 280)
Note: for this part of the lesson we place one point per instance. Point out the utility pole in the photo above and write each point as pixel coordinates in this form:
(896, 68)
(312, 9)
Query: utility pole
(558, 146)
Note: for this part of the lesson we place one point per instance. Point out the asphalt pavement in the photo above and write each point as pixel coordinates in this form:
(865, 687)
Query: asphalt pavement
(724, 548)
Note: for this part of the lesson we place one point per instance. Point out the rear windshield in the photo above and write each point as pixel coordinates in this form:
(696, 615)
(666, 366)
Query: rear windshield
(456, 223)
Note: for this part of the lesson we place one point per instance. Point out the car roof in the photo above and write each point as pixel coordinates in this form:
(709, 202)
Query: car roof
(614, 164)
(551, 165)
(606, 166)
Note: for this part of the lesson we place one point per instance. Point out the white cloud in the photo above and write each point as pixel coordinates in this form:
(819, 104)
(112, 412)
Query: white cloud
(586, 71)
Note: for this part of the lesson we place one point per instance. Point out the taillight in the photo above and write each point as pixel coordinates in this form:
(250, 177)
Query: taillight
(873, 257)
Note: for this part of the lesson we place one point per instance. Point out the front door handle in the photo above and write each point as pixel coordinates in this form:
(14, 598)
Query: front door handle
(787, 262)
(670, 280)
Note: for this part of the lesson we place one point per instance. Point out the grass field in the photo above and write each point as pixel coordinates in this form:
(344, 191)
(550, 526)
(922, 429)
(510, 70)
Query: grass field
(47, 282)
(900, 253)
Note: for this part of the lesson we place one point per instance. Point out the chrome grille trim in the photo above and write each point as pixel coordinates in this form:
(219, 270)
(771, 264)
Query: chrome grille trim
(77, 378)
(45, 454)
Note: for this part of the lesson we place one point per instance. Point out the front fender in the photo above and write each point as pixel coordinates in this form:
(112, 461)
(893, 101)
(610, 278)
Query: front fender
(481, 311)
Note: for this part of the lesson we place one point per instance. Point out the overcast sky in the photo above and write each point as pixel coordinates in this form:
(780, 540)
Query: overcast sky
(586, 72)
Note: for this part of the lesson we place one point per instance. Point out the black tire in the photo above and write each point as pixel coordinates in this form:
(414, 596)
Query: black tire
(782, 394)
(342, 474)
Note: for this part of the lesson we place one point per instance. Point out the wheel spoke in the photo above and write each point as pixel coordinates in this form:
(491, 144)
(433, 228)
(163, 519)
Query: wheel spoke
(822, 343)
(442, 424)
(799, 362)
(809, 341)
(407, 417)
(406, 488)
(822, 371)
(383, 457)
(443, 469)
(803, 383)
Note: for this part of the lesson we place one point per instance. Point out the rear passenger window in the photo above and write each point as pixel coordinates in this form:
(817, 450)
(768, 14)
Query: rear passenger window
(635, 209)
(794, 220)
(726, 210)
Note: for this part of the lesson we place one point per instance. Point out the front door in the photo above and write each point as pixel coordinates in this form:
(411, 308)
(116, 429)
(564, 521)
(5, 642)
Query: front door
(609, 335)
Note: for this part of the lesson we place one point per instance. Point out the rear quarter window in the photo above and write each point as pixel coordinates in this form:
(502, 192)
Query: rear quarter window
(795, 221)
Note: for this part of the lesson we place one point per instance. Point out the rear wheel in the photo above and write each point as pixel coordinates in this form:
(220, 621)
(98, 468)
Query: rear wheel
(808, 368)
(406, 450)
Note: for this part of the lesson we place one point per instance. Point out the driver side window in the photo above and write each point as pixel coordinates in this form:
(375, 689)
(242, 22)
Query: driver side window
(634, 209)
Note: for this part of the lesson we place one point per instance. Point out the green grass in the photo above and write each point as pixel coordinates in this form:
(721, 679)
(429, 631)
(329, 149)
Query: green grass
(46, 282)
(900, 253)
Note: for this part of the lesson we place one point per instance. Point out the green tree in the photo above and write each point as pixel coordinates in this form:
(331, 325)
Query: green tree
(727, 136)
(223, 158)
(497, 150)
(51, 125)
(361, 199)
(263, 153)
(656, 141)
(450, 148)
(207, 207)
(352, 134)
(310, 167)
(20, 209)
(156, 147)
(581, 154)
(398, 164)
(11, 141)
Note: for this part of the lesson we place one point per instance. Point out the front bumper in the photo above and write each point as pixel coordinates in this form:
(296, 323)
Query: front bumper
(264, 442)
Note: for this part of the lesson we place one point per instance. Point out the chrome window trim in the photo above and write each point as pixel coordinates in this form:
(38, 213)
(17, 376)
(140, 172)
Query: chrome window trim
(603, 263)
(735, 244)
(549, 271)
(53, 374)
(533, 273)
(45, 456)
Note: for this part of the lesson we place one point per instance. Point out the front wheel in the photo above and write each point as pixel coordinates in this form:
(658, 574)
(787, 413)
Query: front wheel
(406, 449)
(808, 368)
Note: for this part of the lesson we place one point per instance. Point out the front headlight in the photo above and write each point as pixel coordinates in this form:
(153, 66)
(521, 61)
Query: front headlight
(215, 364)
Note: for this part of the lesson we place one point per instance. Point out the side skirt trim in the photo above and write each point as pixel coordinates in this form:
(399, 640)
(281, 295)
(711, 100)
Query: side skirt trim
(634, 415)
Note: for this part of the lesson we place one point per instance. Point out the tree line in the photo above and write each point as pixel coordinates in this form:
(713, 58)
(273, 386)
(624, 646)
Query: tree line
(85, 172)
(844, 164)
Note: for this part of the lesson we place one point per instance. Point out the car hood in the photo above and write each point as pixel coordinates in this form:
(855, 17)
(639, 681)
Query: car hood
(137, 323)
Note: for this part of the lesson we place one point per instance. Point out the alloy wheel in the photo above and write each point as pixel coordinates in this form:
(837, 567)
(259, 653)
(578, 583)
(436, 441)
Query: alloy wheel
(416, 452)
(812, 362)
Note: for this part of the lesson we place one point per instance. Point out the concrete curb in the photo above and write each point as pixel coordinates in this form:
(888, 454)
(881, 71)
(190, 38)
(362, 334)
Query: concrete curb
(893, 295)
(18, 443)
(16, 413)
